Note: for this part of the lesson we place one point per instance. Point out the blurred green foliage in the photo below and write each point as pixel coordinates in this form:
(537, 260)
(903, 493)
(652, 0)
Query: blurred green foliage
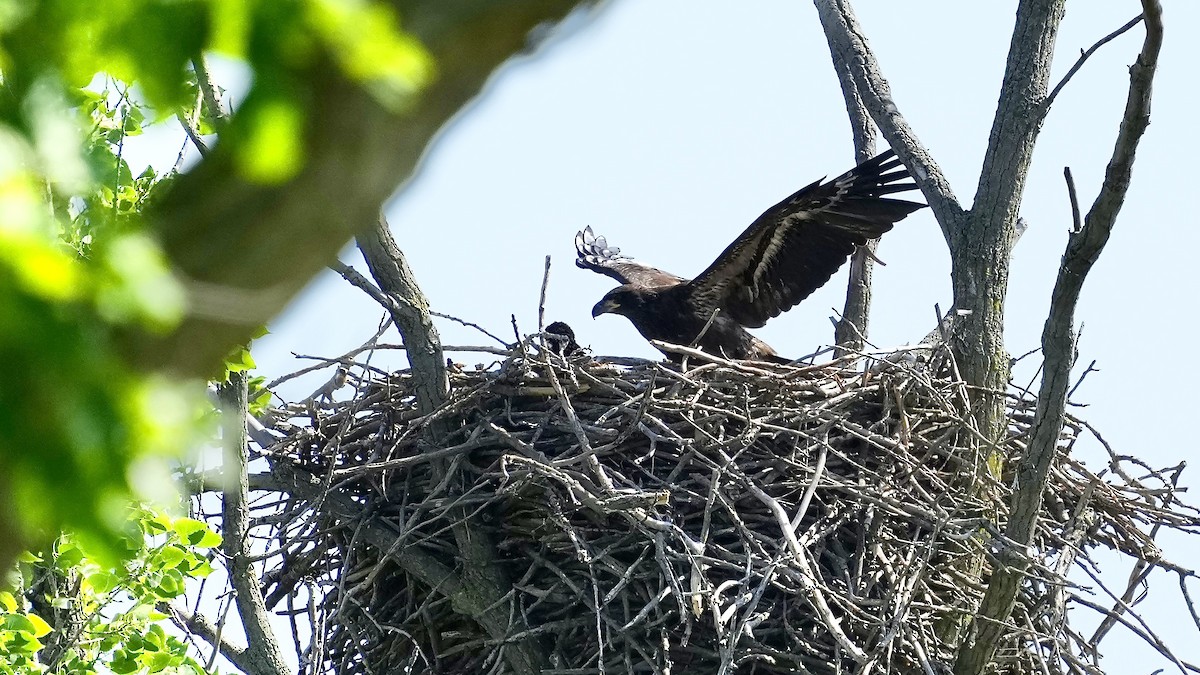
(82, 433)
(76, 261)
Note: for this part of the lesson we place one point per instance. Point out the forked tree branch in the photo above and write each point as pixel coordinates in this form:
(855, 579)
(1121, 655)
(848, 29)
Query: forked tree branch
(1058, 346)
(849, 46)
(1083, 57)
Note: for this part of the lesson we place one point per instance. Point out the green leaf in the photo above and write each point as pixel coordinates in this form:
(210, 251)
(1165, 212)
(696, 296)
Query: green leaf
(106, 169)
(40, 627)
(171, 585)
(156, 662)
(189, 529)
(239, 360)
(124, 664)
(171, 556)
(156, 636)
(19, 623)
(102, 582)
(24, 642)
(202, 570)
(134, 120)
(159, 523)
(209, 539)
(68, 557)
(7, 602)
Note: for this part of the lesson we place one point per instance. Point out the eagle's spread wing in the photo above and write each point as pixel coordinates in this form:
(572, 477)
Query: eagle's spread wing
(796, 246)
(596, 255)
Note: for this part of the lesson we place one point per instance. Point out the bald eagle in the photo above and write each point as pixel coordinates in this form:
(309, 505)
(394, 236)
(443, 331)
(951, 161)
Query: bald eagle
(790, 251)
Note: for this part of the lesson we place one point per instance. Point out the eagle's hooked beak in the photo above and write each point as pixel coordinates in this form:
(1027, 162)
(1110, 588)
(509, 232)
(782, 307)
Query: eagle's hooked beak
(605, 306)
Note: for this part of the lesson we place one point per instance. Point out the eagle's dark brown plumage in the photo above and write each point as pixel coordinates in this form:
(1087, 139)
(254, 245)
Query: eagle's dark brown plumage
(790, 251)
(560, 339)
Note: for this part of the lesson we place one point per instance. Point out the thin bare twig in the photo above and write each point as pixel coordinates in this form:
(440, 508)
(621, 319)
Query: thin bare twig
(542, 297)
(1084, 55)
(1076, 217)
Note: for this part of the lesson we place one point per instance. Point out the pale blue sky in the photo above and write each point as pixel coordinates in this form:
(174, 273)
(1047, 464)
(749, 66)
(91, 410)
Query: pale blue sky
(669, 126)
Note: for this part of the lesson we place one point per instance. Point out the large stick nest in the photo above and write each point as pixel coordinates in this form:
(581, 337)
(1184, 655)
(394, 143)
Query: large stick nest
(723, 517)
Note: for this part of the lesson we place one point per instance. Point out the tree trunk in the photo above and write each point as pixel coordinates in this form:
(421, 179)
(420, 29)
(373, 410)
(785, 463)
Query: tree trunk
(483, 579)
(263, 655)
(981, 248)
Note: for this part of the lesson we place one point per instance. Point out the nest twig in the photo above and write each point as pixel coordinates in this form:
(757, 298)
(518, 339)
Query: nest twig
(720, 518)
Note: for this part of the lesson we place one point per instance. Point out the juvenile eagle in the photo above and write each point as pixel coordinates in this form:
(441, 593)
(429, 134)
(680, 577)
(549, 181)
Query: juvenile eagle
(790, 251)
(561, 339)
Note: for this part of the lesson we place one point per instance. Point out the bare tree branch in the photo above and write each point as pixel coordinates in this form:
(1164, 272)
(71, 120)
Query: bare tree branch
(1014, 128)
(263, 655)
(410, 311)
(189, 127)
(1058, 346)
(1083, 57)
(1073, 197)
(981, 246)
(196, 624)
(208, 91)
(862, 129)
(846, 40)
(360, 282)
(850, 331)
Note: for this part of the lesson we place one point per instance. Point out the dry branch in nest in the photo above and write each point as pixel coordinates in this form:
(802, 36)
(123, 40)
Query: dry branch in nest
(720, 518)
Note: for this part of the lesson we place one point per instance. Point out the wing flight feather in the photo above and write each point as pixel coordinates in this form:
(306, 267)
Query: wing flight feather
(794, 247)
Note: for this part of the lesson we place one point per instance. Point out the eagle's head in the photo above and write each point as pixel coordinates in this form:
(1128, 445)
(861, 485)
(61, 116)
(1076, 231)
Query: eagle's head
(619, 300)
